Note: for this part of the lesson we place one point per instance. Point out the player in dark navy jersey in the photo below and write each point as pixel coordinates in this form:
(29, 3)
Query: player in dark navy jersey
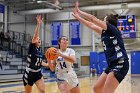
(34, 63)
(114, 49)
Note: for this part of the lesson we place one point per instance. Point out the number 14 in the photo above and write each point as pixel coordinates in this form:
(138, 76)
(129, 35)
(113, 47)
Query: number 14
(63, 65)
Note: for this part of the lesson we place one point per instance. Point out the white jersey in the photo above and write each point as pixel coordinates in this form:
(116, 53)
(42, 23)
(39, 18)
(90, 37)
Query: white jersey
(65, 69)
(62, 64)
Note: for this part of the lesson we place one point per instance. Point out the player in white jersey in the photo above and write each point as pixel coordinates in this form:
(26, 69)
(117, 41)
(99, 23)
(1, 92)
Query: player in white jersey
(66, 77)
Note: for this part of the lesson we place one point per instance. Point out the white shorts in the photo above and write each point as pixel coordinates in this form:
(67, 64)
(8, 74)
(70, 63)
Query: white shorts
(69, 77)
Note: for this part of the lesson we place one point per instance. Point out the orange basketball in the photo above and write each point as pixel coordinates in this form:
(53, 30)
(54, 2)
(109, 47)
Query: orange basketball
(49, 54)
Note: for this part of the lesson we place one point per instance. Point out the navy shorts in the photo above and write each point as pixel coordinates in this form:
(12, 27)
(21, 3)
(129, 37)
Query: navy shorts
(120, 68)
(31, 77)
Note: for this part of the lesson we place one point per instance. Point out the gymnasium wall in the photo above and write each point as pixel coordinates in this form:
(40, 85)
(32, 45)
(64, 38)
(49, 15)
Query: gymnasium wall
(1, 16)
(27, 23)
(20, 23)
(86, 36)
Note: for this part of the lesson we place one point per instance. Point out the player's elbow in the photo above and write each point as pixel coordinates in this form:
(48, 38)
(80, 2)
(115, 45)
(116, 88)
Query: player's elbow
(93, 18)
(73, 60)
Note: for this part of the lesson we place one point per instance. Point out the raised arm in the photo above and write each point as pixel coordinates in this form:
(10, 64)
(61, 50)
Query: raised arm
(36, 33)
(44, 64)
(90, 17)
(89, 24)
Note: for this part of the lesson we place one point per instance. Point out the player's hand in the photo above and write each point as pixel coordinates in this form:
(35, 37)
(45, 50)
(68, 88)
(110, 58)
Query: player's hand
(77, 6)
(75, 13)
(56, 52)
(39, 19)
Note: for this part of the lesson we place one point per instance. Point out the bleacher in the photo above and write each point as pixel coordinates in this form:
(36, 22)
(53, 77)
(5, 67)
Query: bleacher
(13, 53)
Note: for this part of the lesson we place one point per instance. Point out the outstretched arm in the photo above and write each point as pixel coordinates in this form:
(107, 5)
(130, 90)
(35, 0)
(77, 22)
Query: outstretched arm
(39, 21)
(89, 24)
(52, 65)
(44, 64)
(90, 17)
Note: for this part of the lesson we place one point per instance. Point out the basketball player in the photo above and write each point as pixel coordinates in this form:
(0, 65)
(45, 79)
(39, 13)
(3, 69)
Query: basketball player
(34, 62)
(66, 77)
(114, 49)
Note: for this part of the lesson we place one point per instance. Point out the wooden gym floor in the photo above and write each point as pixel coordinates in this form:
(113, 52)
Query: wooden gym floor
(129, 85)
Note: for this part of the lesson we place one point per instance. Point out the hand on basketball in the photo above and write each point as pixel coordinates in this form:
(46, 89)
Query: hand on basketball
(51, 53)
(56, 52)
(39, 19)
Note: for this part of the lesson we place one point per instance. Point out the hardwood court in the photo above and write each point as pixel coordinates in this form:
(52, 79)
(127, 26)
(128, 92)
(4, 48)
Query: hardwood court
(129, 85)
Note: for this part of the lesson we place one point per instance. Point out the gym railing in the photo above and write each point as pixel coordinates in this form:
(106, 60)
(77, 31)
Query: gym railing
(18, 45)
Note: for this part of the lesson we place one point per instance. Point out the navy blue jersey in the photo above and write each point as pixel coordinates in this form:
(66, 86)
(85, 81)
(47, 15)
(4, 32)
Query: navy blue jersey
(113, 43)
(34, 57)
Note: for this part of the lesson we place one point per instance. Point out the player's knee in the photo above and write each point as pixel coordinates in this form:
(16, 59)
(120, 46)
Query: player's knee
(66, 91)
(42, 91)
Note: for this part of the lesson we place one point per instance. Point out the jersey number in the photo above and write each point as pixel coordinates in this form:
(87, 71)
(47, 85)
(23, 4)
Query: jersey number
(63, 65)
(37, 62)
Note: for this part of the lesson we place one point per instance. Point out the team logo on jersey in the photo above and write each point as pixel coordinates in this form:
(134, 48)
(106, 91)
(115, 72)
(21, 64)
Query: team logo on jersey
(60, 59)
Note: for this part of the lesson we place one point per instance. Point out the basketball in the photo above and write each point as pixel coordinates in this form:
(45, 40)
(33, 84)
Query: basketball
(49, 54)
